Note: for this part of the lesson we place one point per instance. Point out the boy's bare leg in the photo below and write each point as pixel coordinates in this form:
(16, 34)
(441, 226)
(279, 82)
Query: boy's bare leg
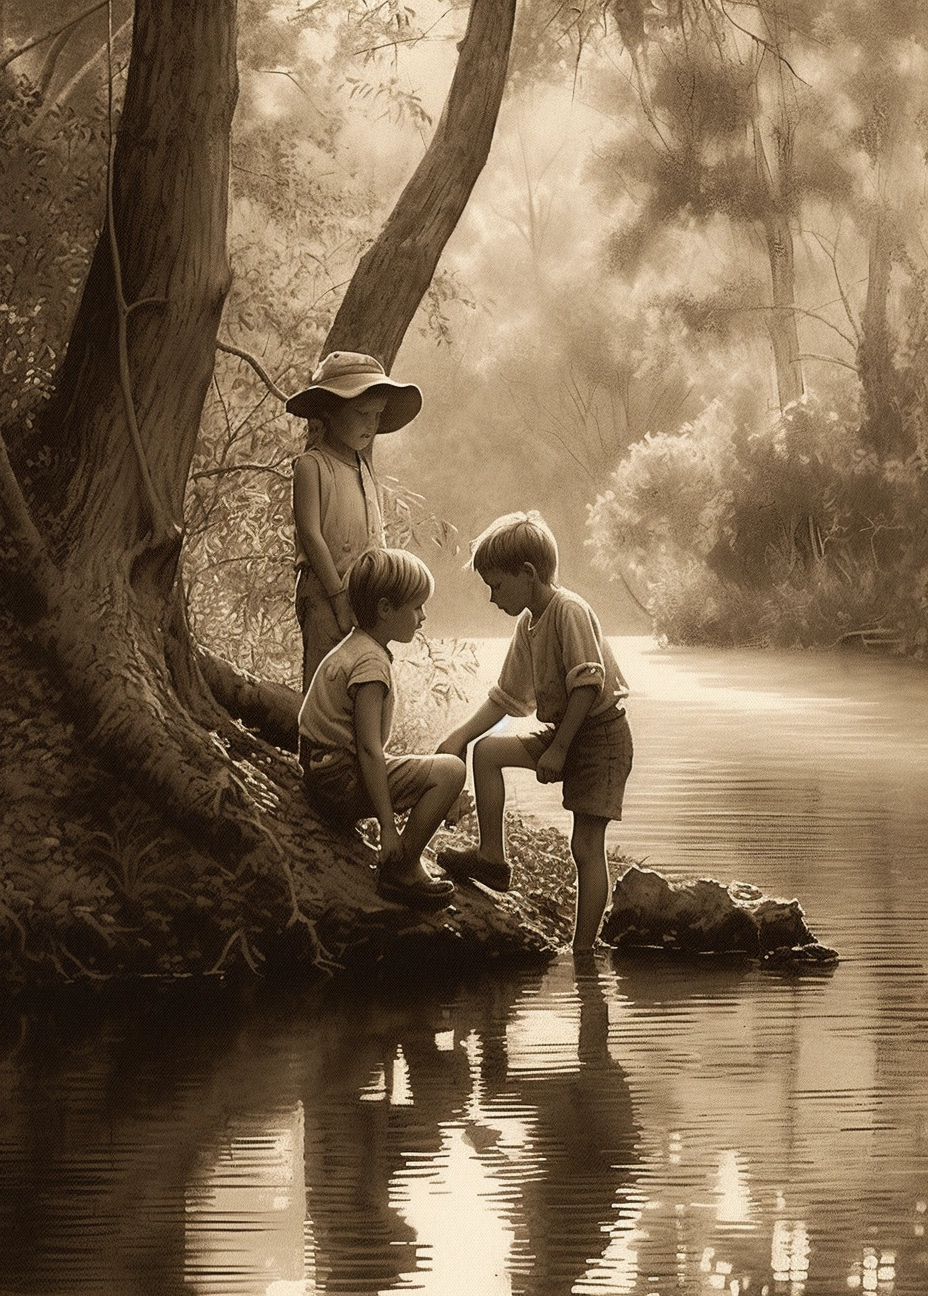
(588, 847)
(448, 773)
(491, 756)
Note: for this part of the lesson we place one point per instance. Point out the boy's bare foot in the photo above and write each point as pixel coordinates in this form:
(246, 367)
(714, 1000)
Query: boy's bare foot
(467, 866)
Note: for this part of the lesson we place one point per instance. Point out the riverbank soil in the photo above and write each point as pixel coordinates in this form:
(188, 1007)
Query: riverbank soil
(96, 883)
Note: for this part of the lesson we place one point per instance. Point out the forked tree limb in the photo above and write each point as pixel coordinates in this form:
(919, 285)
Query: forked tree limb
(394, 274)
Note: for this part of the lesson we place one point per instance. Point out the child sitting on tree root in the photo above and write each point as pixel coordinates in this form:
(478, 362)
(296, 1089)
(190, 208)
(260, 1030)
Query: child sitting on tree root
(560, 666)
(345, 724)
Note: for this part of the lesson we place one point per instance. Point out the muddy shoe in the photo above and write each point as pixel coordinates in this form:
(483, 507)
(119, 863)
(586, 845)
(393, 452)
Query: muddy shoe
(466, 865)
(430, 893)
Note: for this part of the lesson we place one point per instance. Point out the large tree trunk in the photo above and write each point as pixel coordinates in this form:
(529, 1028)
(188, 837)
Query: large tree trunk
(122, 426)
(394, 274)
(94, 518)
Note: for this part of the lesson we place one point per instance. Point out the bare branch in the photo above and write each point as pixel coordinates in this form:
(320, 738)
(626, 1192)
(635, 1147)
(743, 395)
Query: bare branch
(765, 44)
(256, 365)
(832, 254)
(271, 469)
(49, 35)
(845, 364)
(798, 310)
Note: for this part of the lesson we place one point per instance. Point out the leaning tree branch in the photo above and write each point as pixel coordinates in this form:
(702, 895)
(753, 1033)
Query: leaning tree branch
(49, 35)
(256, 365)
(394, 274)
(69, 87)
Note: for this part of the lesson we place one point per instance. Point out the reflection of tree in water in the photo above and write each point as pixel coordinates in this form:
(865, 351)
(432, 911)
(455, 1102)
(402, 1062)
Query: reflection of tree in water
(118, 1121)
(104, 1115)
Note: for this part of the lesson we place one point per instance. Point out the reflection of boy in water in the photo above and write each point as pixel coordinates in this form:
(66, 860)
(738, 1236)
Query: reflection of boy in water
(559, 1191)
(385, 1096)
(559, 666)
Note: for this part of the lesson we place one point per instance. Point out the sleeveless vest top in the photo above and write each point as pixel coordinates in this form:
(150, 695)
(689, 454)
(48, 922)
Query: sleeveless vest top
(350, 509)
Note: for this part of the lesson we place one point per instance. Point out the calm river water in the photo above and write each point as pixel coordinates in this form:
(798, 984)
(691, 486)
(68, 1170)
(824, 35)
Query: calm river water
(611, 1127)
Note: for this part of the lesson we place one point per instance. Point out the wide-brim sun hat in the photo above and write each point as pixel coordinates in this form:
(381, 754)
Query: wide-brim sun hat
(349, 374)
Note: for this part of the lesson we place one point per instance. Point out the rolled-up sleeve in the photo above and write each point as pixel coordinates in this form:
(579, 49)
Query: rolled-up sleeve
(580, 646)
(585, 674)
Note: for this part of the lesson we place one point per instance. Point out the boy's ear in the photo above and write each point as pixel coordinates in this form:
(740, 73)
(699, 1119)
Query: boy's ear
(531, 569)
(384, 607)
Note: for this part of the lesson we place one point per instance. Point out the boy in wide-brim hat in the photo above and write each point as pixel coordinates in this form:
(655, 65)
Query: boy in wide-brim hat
(337, 508)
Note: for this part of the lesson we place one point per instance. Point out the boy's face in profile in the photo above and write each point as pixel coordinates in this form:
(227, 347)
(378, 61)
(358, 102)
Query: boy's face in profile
(510, 591)
(399, 624)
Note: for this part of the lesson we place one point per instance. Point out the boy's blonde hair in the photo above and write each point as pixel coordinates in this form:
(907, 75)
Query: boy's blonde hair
(392, 574)
(513, 540)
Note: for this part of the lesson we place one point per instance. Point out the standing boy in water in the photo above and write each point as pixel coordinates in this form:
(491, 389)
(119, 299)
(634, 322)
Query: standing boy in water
(559, 665)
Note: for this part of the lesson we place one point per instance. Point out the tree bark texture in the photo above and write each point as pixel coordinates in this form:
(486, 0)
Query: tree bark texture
(784, 335)
(170, 185)
(394, 274)
(883, 422)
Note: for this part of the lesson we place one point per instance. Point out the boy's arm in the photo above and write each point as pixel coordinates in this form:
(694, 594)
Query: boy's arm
(368, 715)
(484, 718)
(307, 518)
(551, 762)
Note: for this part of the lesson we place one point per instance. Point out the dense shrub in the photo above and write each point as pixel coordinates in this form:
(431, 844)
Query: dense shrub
(791, 534)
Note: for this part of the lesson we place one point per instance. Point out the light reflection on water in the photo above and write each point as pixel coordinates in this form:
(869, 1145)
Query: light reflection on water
(609, 1127)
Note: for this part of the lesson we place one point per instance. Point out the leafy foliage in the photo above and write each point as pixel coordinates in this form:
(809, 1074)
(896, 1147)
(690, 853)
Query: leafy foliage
(51, 186)
(790, 534)
(544, 875)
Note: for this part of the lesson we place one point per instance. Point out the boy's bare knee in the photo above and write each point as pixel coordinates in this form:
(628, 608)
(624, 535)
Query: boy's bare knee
(485, 751)
(450, 772)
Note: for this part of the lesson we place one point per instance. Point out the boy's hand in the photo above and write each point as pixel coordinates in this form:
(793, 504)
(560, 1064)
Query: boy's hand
(451, 748)
(550, 765)
(342, 609)
(391, 847)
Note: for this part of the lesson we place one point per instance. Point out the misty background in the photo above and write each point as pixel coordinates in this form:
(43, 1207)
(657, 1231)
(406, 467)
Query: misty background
(683, 314)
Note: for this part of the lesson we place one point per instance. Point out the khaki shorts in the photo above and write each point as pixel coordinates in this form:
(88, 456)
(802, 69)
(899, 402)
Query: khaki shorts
(598, 763)
(335, 787)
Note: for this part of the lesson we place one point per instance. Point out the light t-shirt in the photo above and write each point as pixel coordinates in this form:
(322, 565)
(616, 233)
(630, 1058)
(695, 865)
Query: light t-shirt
(327, 714)
(563, 650)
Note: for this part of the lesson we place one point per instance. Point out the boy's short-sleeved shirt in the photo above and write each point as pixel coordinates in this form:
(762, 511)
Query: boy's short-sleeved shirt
(327, 714)
(563, 650)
